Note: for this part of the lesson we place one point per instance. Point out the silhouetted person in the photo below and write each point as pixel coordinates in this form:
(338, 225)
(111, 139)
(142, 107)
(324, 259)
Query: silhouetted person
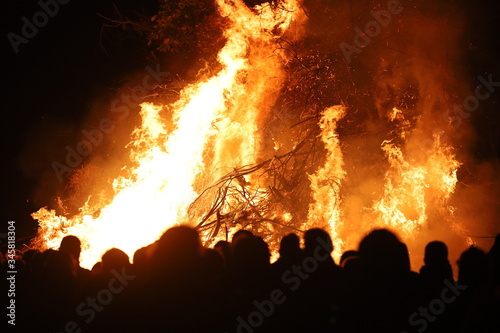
(96, 269)
(387, 288)
(175, 286)
(290, 248)
(437, 268)
(116, 277)
(113, 263)
(56, 288)
(140, 265)
(350, 254)
(290, 254)
(224, 248)
(472, 267)
(212, 263)
(240, 234)
(186, 287)
(115, 260)
(320, 282)
(478, 308)
(72, 245)
(380, 258)
(251, 253)
(250, 276)
(349, 261)
(404, 258)
(178, 252)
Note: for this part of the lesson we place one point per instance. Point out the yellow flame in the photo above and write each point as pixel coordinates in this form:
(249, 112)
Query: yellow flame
(216, 127)
(220, 113)
(410, 184)
(325, 211)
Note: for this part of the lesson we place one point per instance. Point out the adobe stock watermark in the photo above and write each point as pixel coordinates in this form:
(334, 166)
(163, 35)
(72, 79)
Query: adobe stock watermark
(292, 278)
(88, 309)
(471, 103)
(11, 271)
(459, 112)
(372, 29)
(436, 307)
(121, 107)
(30, 28)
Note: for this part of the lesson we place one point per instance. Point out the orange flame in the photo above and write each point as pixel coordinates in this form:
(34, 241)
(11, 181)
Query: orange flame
(218, 113)
(411, 183)
(325, 211)
(217, 127)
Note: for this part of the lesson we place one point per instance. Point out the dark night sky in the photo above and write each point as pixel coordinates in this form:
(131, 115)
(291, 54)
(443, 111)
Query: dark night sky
(51, 80)
(55, 75)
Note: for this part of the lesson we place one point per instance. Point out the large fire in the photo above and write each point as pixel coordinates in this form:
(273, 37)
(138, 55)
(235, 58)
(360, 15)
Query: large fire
(213, 165)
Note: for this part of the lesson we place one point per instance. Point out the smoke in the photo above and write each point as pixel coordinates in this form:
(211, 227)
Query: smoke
(411, 55)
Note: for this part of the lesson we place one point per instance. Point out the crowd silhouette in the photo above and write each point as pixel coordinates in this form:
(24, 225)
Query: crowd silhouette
(177, 285)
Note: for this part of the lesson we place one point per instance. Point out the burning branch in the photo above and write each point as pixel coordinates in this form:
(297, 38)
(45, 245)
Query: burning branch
(239, 203)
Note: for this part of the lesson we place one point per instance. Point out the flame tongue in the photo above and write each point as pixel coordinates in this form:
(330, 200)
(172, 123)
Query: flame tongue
(325, 183)
(415, 185)
(156, 193)
(216, 130)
